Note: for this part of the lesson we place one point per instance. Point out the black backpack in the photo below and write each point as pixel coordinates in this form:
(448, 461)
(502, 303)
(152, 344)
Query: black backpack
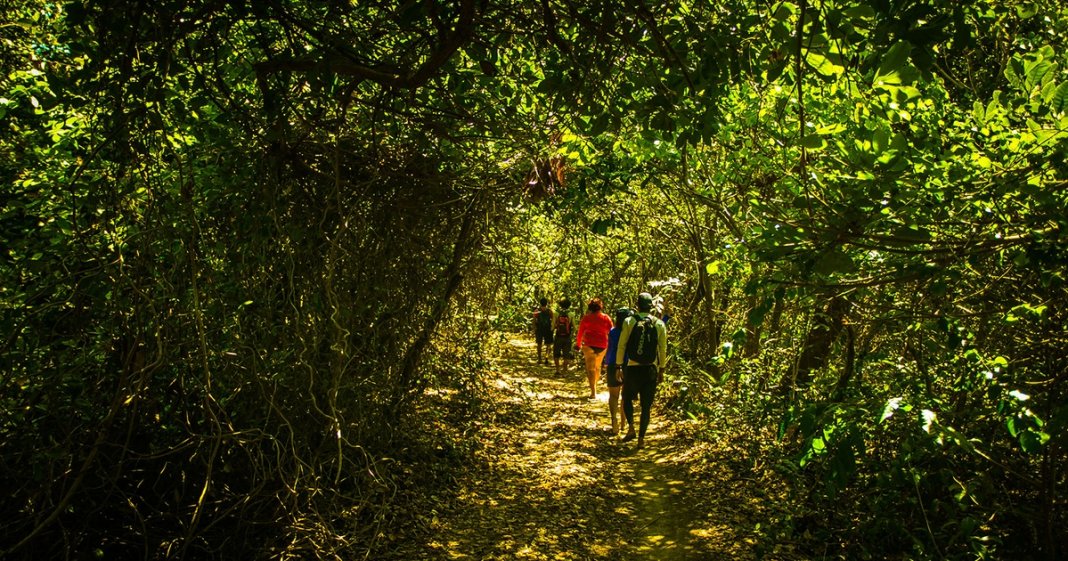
(642, 344)
(545, 321)
(563, 326)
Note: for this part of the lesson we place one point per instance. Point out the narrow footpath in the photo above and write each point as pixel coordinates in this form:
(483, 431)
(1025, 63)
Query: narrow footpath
(558, 485)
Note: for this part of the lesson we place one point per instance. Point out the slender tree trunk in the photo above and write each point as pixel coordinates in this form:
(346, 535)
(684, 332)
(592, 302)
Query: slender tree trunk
(753, 333)
(817, 347)
(465, 242)
(850, 363)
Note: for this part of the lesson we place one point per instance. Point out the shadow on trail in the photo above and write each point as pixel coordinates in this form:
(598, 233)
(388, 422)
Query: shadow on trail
(556, 484)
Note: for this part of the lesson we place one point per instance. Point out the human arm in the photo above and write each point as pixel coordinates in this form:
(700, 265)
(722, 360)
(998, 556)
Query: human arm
(621, 346)
(661, 350)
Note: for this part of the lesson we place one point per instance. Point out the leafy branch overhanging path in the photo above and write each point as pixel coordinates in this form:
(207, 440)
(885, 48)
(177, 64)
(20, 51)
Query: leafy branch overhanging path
(555, 484)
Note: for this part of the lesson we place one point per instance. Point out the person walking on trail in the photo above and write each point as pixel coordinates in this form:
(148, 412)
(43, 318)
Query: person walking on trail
(593, 340)
(643, 341)
(613, 378)
(563, 328)
(543, 330)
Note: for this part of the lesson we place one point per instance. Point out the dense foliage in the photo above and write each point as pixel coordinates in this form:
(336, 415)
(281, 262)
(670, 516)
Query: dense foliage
(241, 240)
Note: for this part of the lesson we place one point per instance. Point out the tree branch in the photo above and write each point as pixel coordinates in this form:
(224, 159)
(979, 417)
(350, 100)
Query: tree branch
(342, 65)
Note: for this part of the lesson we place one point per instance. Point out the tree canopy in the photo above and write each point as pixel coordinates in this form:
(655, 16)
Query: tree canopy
(242, 239)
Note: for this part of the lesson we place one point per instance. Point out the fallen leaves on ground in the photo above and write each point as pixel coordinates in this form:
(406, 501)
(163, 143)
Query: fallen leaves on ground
(554, 483)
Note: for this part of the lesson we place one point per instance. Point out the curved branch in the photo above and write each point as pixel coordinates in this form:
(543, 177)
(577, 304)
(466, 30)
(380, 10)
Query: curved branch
(338, 64)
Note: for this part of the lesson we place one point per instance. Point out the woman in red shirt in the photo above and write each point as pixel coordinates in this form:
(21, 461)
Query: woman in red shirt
(593, 340)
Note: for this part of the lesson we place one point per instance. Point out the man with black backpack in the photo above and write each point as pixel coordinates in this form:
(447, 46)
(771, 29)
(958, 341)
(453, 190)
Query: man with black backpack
(562, 338)
(543, 330)
(643, 341)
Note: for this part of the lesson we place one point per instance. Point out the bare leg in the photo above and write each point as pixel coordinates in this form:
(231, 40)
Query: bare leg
(614, 408)
(593, 368)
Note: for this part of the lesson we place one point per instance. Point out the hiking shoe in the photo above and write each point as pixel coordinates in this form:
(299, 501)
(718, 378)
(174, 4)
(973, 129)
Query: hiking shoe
(628, 437)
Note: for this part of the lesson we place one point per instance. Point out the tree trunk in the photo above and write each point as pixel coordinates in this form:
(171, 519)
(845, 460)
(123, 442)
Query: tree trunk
(817, 348)
(465, 241)
(850, 363)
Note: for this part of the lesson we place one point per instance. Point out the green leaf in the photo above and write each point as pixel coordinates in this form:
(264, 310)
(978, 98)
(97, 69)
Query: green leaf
(813, 142)
(1037, 72)
(1059, 101)
(892, 66)
(860, 12)
(881, 139)
(1026, 10)
(835, 261)
(823, 65)
(1032, 441)
(888, 409)
(830, 129)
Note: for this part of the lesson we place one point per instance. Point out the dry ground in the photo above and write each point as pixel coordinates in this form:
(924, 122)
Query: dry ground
(555, 484)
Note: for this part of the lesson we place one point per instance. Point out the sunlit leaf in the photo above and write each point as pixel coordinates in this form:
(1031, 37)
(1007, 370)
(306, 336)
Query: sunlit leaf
(929, 418)
(1059, 101)
(888, 410)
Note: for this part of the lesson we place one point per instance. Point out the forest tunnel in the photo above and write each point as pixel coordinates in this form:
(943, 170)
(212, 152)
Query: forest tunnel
(242, 240)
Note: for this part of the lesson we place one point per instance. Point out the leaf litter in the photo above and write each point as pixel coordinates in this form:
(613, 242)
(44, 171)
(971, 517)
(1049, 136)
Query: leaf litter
(550, 481)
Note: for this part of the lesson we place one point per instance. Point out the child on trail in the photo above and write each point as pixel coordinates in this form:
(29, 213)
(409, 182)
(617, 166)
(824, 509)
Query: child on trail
(613, 377)
(543, 330)
(593, 340)
(643, 341)
(562, 337)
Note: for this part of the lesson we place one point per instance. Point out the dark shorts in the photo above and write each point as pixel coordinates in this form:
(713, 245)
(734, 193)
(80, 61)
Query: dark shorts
(610, 377)
(543, 337)
(562, 348)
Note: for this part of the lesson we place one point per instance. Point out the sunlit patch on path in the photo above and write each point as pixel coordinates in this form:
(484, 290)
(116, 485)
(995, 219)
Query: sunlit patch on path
(557, 485)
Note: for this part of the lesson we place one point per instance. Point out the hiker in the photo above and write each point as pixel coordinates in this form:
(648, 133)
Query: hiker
(614, 378)
(563, 326)
(643, 341)
(593, 340)
(543, 330)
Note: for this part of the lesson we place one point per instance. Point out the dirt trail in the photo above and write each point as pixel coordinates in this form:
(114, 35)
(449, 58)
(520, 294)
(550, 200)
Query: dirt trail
(558, 485)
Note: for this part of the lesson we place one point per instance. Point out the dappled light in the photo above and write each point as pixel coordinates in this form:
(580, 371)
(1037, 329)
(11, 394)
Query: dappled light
(558, 485)
(289, 280)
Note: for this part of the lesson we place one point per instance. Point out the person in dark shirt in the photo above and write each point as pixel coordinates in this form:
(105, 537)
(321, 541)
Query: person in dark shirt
(543, 330)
